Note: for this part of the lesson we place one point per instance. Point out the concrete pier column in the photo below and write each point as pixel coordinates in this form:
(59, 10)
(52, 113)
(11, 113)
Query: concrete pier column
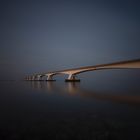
(38, 77)
(26, 78)
(50, 77)
(72, 78)
(30, 78)
(33, 78)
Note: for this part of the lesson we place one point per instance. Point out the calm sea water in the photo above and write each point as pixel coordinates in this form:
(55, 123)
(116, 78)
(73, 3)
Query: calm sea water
(104, 105)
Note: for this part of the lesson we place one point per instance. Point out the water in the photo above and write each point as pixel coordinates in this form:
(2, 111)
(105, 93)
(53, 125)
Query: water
(104, 105)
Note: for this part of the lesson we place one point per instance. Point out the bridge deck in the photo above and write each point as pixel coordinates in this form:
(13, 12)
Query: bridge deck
(122, 64)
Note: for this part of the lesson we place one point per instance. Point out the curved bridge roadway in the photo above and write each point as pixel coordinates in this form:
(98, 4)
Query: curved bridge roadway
(131, 64)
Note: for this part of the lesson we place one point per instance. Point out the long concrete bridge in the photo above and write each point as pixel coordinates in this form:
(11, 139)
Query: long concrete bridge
(72, 73)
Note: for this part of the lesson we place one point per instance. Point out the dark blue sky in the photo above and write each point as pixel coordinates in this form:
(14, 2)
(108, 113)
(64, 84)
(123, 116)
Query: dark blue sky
(39, 36)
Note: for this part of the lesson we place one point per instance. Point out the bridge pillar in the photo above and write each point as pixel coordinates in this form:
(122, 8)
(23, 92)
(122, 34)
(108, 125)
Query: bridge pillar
(29, 78)
(26, 78)
(72, 78)
(38, 78)
(33, 78)
(50, 77)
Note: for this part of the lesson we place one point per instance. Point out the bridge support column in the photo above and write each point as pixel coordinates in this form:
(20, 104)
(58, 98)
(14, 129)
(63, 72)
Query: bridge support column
(72, 78)
(50, 77)
(27, 78)
(33, 78)
(30, 78)
(38, 78)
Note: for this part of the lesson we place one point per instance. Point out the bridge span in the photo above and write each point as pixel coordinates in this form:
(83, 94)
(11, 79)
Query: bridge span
(72, 73)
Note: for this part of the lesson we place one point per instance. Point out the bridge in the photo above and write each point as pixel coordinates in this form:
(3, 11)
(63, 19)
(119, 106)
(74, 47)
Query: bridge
(72, 73)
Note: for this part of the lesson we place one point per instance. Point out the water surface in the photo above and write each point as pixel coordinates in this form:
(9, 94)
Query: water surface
(102, 106)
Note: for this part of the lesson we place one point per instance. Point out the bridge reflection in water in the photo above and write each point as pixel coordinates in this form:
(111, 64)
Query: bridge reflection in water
(74, 89)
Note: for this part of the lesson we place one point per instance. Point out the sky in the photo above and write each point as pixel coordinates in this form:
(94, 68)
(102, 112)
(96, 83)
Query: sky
(39, 36)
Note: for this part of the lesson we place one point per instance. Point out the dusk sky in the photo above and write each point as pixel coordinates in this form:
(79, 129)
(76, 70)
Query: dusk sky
(39, 36)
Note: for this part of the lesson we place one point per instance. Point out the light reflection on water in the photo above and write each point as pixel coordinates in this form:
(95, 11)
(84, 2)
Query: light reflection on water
(74, 89)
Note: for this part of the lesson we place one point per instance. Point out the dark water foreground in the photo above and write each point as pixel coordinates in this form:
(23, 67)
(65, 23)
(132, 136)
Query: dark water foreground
(66, 111)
